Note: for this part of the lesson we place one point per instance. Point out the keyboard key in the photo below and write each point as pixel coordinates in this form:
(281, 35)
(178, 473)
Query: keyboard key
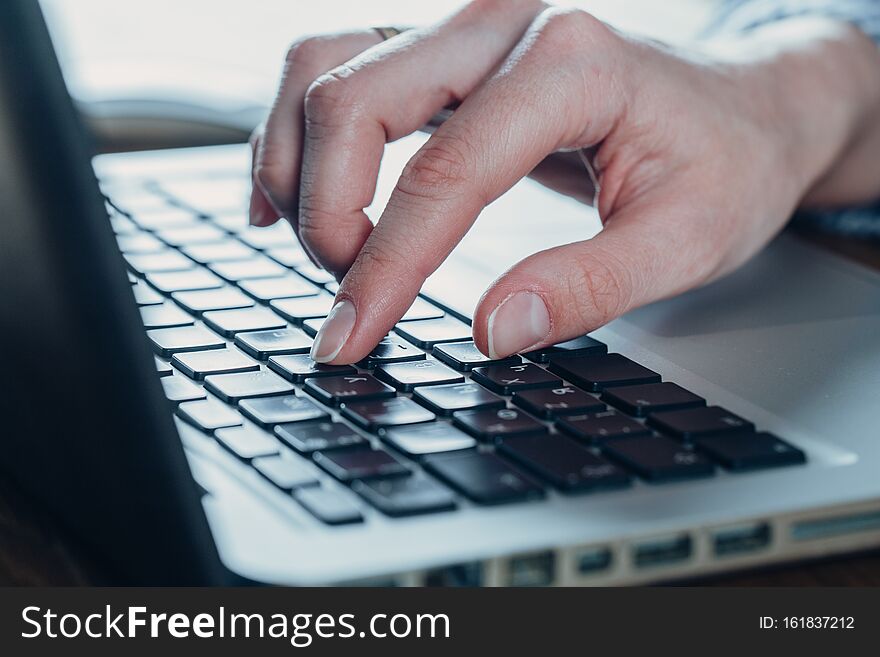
(690, 423)
(550, 403)
(507, 379)
(224, 298)
(464, 356)
(145, 296)
(163, 261)
(299, 367)
(407, 376)
(139, 243)
(163, 368)
(302, 308)
(268, 411)
(287, 471)
(563, 463)
(392, 349)
(750, 451)
(229, 322)
(598, 427)
(353, 463)
(378, 413)
(200, 233)
(311, 326)
(651, 398)
(242, 270)
(489, 424)
(208, 414)
(405, 496)
(283, 287)
(170, 341)
(483, 477)
(218, 252)
(582, 346)
(199, 364)
(595, 373)
(329, 506)
(262, 344)
(432, 438)
(179, 281)
(421, 309)
(164, 316)
(446, 399)
(166, 217)
(233, 387)
(178, 389)
(132, 279)
(247, 442)
(275, 236)
(308, 437)
(315, 274)
(426, 333)
(334, 390)
(289, 256)
(657, 458)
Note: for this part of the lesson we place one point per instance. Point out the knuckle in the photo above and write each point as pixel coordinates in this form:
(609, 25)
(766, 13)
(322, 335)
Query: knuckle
(331, 98)
(305, 52)
(438, 171)
(570, 29)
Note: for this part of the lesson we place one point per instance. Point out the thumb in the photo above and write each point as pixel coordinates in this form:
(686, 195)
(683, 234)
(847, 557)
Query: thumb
(564, 292)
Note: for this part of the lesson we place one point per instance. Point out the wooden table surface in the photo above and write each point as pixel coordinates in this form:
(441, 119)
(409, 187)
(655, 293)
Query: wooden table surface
(34, 551)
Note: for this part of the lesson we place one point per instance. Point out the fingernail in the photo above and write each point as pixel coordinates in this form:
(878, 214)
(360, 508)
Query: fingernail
(334, 332)
(519, 322)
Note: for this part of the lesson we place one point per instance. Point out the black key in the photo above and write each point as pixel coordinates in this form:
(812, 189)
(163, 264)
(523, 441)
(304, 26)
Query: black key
(197, 365)
(446, 399)
(287, 471)
(208, 414)
(582, 346)
(353, 463)
(311, 437)
(598, 427)
(421, 309)
(651, 398)
(489, 424)
(178, 389)
(483, 477)
(243, 270)
(180, 281)
(163, 261)
(285, 287)
(507, 379)
(329, 506)
(164, 316)
(299, 367)
(224, 298)
(229, 322)
(464, 356)
(378, 413)
(247, 442)
(428, 332)
(392, 349)
(406, 496)
(301, 308)
(146, 296)
(233, 387)
(218, 252)
(408, 376)
(262, 344)
(268, 411)
(693, 422)
(563, 463)
(596, 373)
(169, 341)
(200, 233)
(433, 438)
(657, 458)
(554, 402)
(334, 390)
(750, 451)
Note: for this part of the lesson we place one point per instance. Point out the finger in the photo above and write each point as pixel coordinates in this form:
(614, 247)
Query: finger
(567, 291)
(387, 92)
(260, 211)
(279, 152)
(531, 107)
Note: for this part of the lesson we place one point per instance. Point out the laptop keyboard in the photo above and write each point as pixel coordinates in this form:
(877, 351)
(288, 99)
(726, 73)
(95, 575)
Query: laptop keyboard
(425, 423)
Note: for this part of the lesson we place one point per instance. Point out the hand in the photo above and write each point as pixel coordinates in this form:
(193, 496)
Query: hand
(701, 158)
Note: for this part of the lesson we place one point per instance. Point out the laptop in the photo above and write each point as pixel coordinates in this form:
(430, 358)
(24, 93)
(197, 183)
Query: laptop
(158, 398)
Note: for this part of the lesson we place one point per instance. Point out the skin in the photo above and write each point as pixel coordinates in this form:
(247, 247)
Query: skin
(700, 156)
